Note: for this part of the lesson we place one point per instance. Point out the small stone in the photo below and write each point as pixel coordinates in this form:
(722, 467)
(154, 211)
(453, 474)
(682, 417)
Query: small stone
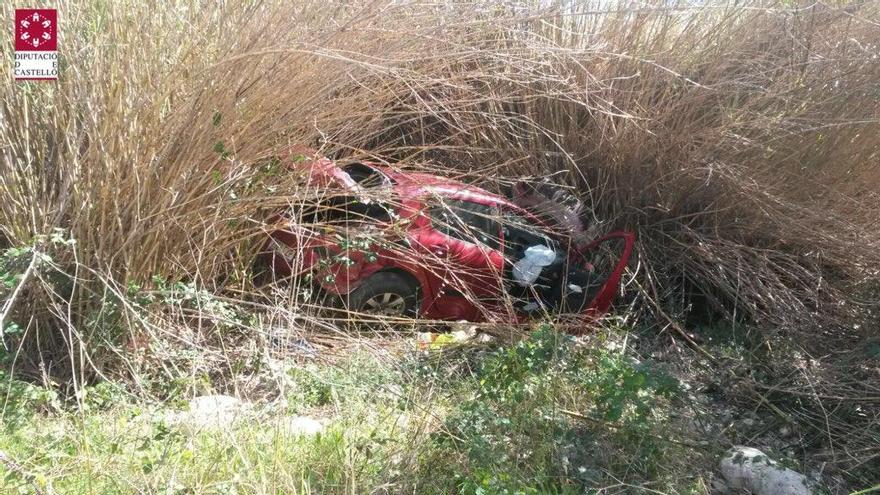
(302, 426)
(463, 335)
(212, 411)
(485, 338)
(401, 421)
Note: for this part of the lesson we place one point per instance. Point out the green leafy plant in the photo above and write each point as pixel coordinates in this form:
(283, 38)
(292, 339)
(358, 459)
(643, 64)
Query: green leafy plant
(519, 418)
(22, 400)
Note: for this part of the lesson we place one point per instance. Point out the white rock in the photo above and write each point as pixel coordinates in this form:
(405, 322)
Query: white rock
(463, 335)
(213, 411)
(719, 486)
(463, 326)
(302, 426)
(750, 469)
(401, 422)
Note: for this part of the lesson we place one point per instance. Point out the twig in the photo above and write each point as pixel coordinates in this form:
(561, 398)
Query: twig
(584, 417)
(675, 326)
(775, 388)
(18, 469)
(7, 306)
(873, 489)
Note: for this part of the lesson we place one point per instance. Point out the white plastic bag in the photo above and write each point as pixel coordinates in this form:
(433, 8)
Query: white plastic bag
(526, 270)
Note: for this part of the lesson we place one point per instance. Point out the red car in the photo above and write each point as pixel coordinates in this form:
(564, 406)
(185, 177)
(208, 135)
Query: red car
(394, 242)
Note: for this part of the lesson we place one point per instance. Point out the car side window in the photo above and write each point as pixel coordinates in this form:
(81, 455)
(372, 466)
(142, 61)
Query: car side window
(346, 209)
(466, 221)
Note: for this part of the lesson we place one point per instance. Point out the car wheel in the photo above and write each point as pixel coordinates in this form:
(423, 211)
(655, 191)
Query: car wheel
(386, 294)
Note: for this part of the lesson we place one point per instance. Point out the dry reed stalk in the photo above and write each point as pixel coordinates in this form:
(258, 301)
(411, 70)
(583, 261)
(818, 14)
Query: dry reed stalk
(740, 139)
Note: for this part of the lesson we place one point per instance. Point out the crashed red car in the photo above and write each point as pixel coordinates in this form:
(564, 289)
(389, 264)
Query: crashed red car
(394, 242)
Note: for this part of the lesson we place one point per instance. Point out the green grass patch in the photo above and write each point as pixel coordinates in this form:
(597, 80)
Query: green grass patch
(545, 415)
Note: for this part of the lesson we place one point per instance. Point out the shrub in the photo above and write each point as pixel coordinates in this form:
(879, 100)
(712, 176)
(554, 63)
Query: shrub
(738, 139)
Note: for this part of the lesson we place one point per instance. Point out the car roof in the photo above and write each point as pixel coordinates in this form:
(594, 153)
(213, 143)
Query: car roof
(419, 184)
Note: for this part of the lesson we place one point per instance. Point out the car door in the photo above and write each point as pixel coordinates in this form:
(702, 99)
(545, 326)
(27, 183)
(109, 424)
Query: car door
(607, 257)
(461, 246)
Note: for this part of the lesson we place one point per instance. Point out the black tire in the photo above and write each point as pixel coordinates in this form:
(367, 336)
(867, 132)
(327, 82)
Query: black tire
(399, 294)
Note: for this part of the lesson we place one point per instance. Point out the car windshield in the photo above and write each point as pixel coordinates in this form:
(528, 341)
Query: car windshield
(520, 233)
(466, 221)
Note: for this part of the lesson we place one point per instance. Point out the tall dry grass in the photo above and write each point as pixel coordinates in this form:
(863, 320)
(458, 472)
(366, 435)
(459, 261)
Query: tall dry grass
(739, 139)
